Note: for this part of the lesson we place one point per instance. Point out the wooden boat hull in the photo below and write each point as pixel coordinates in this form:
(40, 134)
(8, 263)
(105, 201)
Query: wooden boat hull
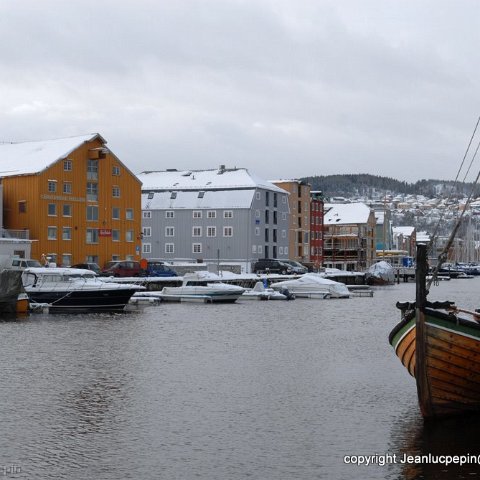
(452, 361)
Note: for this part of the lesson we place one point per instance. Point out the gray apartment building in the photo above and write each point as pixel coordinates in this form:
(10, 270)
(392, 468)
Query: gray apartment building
(226, 215)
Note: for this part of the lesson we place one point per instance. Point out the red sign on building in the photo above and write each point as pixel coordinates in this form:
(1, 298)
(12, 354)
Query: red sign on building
(105, 232)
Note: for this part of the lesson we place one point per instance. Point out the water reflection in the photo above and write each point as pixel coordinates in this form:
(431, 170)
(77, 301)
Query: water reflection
(435, 441)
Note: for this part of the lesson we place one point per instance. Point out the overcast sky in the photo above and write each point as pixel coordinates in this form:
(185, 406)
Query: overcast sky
(285, 88)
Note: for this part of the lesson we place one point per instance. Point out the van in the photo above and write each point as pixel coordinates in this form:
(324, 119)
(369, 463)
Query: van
(122, 268)
(268, 265)
(23, 263)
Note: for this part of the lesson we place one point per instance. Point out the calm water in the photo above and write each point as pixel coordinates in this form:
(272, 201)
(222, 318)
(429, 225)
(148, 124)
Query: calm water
(260, 390)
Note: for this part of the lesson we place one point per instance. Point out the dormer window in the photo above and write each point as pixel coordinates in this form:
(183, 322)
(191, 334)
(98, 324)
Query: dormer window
(201, 194)
(173, 195)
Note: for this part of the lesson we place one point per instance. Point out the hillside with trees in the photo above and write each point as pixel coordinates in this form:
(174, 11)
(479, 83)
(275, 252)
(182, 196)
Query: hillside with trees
(366, 185)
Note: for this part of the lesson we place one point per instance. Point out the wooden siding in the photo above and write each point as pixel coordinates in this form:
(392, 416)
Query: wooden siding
(33, 190)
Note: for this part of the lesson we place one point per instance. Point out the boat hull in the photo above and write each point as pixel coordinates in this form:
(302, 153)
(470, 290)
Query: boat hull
(452, 361)
(101, 300)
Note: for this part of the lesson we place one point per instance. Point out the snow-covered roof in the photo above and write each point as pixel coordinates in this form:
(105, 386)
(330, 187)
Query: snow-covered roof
(405, 231)
(214, 199)
(346, 213)
(220, 178)
(33, 157)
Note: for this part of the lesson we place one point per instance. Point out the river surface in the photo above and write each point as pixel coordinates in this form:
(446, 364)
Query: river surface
(252, 390)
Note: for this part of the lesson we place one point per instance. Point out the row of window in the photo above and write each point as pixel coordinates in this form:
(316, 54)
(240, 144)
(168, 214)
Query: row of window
(92, 167)
(91, 212)
(196, 231)
(92, 234)
(91, 189)
(259, 249)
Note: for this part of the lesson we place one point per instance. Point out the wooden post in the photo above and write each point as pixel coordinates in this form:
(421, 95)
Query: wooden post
(423, 387)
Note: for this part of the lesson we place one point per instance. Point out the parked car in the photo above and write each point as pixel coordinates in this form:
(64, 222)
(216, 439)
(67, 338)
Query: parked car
(89, 266)
(296, 266)
(123, 268)
(159, 268)
(22, 263)
(268, 265)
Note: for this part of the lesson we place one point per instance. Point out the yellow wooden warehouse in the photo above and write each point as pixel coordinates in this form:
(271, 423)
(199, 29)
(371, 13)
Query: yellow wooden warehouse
(78, 201)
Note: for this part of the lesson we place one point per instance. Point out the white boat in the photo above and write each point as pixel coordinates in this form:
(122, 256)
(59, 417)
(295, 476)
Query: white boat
(260, 292)
(201, 287)
(313, 285)
(75, 290)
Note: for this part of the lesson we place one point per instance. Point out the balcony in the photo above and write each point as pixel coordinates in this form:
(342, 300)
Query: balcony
(15, 234)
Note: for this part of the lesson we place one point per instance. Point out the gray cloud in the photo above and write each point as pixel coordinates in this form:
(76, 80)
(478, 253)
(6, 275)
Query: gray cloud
(284, 88)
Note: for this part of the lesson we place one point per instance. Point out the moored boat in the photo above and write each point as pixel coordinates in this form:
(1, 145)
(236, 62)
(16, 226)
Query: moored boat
(201, 287)
(313, 285)
(260, 292)
(10, 289)
(439, 345)
(75, 290)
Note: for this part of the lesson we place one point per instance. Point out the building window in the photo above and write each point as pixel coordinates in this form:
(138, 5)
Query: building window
(52, 233)
(52, 209)
(228, 231)
(284, 199)
(92, 213)
(197, 214)
(147, 231)
(22, 206)
(116, 213)
(67, 210)
(66, 233)
(92, 169)
(169, 248)
(257, 213)
(52, 186)
(147, 214)
(196, 231)
(257, 231)
(92, 191)
(212, 214)
(285, 250)
(280, 250)
(254, 249)
(147, 248)
(260, 249)
(284, 216)
(67, 165)
(67, 187)
(129, 213)
(211, 231)
(169, 231)
(116, 170)
(129, 236)
(267, 216)
(92, 235)
(116, 191)
(169, 214)
(115, 235)
(284, 233)
(267, 199)
(228, 214)
(66, 259)
(196, 248)
(258, 196)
